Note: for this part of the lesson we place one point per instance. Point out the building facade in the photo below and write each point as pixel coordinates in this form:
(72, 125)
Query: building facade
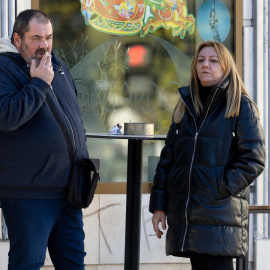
(128, 59)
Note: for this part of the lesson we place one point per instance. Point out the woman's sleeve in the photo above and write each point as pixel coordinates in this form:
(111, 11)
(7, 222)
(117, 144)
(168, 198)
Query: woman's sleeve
(158, 192)
(250, 155)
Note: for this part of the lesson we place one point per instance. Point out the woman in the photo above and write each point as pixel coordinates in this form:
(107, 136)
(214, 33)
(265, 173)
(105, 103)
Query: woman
(213, 151)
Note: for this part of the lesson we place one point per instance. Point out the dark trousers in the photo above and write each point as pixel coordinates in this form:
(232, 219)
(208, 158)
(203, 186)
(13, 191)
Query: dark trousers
(209, 262)
(34, 225)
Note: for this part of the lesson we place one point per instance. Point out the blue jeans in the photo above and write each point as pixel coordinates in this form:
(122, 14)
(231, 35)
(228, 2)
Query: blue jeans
(34, 225)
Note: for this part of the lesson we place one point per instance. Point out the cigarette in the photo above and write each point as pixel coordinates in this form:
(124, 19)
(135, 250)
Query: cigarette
(152, 235)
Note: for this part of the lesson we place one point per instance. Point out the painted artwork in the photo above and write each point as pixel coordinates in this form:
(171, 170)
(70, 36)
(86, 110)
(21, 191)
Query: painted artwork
(213, 21)
(130, 17)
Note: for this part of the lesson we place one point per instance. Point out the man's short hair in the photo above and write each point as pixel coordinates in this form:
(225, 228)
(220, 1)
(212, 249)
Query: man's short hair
(21, 24)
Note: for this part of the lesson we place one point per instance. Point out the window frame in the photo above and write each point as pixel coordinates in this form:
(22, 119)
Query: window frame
(120, 188)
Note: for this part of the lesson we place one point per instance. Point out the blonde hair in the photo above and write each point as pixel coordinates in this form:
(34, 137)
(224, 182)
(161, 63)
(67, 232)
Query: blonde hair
(235, 88)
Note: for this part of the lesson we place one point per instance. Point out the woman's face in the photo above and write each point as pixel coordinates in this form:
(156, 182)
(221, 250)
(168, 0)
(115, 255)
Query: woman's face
(209, 70)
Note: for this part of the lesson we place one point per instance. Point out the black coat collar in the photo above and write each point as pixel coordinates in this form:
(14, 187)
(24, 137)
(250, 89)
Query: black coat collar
(216, 95)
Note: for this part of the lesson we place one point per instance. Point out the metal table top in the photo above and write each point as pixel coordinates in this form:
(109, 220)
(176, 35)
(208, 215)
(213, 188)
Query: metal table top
(123, 136)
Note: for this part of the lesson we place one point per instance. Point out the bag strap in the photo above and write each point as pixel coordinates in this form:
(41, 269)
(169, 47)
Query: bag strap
(64, 130)
(22, 65)
(93, 163)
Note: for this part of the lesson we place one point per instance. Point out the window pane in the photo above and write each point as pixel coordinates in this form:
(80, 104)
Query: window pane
(128, 58)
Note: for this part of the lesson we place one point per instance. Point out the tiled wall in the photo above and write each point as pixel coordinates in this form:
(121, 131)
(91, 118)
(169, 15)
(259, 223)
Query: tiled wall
(104, 225)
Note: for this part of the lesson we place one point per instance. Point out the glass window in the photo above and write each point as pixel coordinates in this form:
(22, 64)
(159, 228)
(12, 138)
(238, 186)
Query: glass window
(128, 58)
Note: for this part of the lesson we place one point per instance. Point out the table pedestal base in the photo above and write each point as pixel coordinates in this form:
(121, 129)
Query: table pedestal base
(133, 205)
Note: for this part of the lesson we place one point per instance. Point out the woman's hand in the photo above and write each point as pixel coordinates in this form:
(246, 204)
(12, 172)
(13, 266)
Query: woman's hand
(159, 216)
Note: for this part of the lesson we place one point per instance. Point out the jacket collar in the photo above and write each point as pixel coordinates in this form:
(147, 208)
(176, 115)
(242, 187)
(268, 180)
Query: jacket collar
(215, 95)
(185, 93)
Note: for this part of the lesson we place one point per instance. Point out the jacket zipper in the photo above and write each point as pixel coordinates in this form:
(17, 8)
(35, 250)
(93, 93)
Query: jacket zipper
(191, 164)
(73, 136)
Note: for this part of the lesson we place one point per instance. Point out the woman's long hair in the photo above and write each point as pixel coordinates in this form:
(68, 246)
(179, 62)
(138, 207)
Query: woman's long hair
(235, 88)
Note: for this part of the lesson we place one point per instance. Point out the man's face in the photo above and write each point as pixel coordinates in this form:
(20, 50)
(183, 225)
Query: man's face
(35, 42)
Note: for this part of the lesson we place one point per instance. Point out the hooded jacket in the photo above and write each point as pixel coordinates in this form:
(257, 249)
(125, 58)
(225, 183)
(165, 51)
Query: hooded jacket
(202, 178)
(34, 159)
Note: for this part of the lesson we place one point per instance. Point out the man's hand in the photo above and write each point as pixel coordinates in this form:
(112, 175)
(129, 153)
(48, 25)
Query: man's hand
(159, 216)
(44, 70)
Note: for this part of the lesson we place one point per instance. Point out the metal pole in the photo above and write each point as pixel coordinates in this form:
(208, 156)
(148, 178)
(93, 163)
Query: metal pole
(11, 15)
(268, 38)
(16, 9)
(4, 21)
(133, 205)
(265, 112)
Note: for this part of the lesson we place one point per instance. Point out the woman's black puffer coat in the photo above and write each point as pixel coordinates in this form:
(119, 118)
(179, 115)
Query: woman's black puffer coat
(203, 175)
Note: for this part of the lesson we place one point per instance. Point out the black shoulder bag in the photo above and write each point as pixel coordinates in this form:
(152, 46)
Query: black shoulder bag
(82, 186)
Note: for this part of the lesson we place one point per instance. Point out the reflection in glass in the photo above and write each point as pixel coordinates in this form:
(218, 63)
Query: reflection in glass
(132, 75)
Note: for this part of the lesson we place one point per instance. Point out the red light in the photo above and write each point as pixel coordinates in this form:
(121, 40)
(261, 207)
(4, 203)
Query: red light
(138, 56)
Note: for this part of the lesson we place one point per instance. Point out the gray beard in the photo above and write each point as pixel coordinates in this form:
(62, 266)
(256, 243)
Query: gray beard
(28, 60)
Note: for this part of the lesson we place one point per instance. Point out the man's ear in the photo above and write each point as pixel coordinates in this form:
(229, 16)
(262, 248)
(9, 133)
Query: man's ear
(17, 40)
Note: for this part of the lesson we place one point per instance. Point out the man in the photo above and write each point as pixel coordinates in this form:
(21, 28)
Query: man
(34, 159)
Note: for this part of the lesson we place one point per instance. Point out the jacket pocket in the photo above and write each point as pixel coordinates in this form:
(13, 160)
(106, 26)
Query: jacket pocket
(55, 173)
(220, 182)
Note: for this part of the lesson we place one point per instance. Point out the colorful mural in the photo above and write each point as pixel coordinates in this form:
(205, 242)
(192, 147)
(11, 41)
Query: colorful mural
(130, 17)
